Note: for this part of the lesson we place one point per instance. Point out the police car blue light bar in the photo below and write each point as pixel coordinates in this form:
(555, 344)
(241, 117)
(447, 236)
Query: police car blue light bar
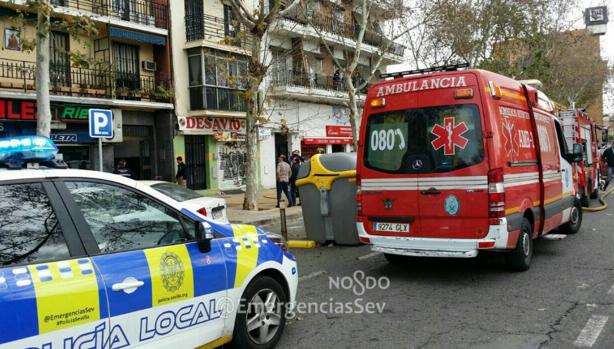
(27, 148)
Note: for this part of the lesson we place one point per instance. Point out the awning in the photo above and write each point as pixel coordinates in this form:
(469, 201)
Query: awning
(137, 36)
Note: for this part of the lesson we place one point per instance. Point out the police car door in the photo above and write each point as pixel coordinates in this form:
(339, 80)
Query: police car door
(161, 289)
(50, 295)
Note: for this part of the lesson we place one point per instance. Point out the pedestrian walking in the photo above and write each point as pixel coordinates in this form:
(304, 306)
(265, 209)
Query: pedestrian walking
(284, 172)
(122, 170)
(181, 175)
(296, 165)
(608, 157)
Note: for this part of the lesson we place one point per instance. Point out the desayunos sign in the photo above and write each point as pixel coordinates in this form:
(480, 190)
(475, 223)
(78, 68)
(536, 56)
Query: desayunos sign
(209, 125)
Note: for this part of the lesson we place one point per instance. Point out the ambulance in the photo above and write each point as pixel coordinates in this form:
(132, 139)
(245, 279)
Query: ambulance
(452, 162)
(580, 129)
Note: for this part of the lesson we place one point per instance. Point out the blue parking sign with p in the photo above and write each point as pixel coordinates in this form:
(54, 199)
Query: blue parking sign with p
(101, 123)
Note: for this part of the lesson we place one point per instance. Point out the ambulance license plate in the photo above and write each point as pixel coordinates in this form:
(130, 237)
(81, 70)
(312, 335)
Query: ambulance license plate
(391, 227)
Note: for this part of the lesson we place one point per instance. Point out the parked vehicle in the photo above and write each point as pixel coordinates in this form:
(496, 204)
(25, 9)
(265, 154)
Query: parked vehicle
(580, 129)
(454, 162)
(213, 208)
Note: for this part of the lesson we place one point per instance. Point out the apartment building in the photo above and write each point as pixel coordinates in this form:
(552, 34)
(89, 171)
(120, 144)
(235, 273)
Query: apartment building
(124, 67)
(305, 100)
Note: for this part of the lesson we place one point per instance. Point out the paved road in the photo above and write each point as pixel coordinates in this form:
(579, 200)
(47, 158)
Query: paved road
(565, 300)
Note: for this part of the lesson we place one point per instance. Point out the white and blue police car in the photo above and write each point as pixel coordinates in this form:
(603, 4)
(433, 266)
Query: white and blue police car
(95, 260)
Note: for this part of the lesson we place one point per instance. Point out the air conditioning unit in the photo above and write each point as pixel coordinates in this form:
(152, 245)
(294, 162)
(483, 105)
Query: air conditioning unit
(149, 66)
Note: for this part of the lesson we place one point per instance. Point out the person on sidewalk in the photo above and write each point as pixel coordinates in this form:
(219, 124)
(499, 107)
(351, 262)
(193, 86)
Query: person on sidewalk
(181, 172)
(122, 170)
(284, 172)
(608, 157)
(296, 165)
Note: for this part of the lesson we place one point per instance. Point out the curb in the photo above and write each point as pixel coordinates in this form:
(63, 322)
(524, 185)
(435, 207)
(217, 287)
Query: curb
(271, 220)
(301, 244)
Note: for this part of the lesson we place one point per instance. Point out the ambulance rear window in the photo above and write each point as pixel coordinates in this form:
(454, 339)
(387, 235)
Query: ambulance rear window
(424, 140)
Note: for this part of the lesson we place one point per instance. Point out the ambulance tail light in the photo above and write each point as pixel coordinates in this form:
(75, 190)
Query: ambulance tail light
(378, 103)
(495, 90)
(496, 196)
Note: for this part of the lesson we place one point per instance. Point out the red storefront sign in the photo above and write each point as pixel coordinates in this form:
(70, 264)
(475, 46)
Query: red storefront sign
(11, 109)
(338, 131)
(327, 141)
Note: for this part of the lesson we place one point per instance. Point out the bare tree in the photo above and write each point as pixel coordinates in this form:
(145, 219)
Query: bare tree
(258, 23)
(380, 18)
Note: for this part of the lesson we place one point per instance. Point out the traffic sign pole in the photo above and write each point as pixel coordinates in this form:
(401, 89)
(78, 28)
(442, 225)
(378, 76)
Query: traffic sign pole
(100, 154)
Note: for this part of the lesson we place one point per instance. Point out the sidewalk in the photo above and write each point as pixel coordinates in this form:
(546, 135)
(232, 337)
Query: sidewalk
(267, 214)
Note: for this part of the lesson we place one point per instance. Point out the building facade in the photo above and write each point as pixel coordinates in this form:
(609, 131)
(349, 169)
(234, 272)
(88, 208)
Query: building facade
(124, 65)
(305, 100)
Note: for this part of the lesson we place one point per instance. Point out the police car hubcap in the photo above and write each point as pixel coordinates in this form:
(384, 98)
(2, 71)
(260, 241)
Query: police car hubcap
(263, 316)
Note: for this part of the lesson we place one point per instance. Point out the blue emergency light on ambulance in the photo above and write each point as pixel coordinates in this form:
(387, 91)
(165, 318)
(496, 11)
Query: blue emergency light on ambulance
(26, 148)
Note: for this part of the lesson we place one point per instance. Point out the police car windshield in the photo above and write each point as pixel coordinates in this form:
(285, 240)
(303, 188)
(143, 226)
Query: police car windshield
(424, 140)
(176, 192)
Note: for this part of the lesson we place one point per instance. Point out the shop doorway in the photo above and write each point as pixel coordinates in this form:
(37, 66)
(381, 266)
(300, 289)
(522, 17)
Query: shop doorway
(281, 145)
(136, 149)
(76, 156)
(196, 153)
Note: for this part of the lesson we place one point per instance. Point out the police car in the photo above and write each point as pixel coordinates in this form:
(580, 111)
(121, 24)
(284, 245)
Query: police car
(96, 260)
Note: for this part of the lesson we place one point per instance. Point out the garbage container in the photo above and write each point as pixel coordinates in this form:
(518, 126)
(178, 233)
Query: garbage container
(327, 188)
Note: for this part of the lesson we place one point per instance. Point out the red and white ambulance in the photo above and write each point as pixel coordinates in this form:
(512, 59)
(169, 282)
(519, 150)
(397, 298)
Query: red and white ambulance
(579, 128)
(452, 162)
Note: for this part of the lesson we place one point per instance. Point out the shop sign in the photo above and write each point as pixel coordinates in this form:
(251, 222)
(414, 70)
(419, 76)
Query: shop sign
(338, 131)
(11, 109)
(327, 141)
(209, 125)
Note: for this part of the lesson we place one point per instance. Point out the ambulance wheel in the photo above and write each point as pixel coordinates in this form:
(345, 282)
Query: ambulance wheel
(261, 318)
(575, 220)
(519, 259)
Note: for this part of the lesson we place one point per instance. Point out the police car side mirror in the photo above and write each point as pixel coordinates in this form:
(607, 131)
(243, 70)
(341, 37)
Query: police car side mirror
(203, 237)
(577, 154)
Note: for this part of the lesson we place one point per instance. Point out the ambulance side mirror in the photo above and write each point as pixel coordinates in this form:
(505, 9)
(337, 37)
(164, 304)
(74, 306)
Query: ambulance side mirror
(203, 237)
(577, 154)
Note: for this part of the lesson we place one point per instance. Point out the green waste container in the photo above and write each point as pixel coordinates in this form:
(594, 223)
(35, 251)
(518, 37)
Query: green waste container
(327, 188)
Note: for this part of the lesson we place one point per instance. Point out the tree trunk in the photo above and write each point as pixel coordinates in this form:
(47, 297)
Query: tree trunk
(43, 108)
(256, 70)
(353, 105)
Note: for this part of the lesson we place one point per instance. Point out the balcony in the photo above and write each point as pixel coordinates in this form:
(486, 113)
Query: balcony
(311, 87)
(332, 25)
(153, 13)
(216, 30)
(82, 82)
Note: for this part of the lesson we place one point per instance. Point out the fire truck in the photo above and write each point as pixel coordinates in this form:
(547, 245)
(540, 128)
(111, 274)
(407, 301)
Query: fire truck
(580, 129)
(453, 162)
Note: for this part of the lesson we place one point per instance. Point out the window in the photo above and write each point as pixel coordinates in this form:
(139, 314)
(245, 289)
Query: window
(194, 20)
(232, 27)
(126, 62)
(121, 219)
(59, 60)
(224, 79)
(424, 140)
(29, 229)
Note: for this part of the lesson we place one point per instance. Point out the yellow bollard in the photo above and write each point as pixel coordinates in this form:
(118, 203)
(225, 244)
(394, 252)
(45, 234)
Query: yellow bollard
(301, 244)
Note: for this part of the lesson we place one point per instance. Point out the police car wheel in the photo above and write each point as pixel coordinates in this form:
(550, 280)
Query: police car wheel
(575, 220)
(519, 259)
(262, 321)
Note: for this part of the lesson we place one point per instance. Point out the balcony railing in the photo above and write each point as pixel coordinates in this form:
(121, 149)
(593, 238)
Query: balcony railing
(82, 82)
(217, 30)
(280, 78)
(147, 12)
(329, 24)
